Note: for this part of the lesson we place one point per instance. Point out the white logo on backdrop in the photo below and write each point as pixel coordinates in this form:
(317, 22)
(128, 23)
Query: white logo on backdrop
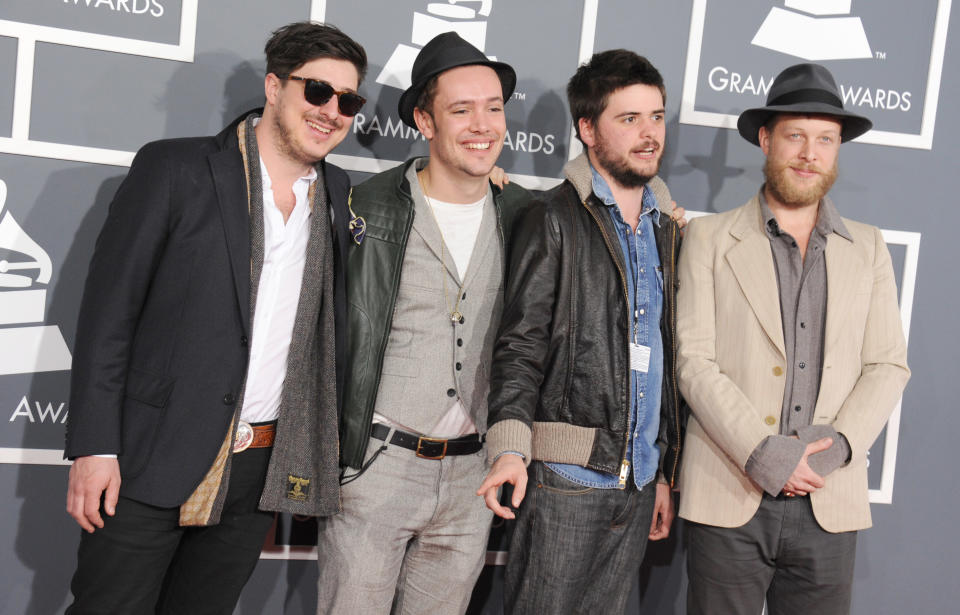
(25, 347)
(814, 38)
(821, 30)
(450, 16)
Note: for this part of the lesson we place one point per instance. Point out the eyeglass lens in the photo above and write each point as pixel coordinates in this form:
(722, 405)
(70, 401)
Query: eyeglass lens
(320, 92)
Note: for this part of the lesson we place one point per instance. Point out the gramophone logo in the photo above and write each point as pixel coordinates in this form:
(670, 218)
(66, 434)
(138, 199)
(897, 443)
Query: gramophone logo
(450, 16)
(25, 269)
(816, 36)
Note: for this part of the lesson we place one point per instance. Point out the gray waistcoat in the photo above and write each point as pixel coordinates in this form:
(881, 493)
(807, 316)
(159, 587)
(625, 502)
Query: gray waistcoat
(428, 357)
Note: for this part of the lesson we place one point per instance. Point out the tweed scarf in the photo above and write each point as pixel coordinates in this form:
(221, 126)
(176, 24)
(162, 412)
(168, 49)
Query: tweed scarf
(302, 477)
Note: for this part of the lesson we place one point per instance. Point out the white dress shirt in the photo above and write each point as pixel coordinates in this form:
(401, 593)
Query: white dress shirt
(284, 255)
(278, 294)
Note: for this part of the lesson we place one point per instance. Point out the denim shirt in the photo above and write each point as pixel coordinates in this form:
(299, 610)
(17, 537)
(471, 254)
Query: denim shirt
(645, 296)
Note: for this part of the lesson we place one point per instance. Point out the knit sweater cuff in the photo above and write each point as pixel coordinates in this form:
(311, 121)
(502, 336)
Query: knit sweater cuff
(509, 435)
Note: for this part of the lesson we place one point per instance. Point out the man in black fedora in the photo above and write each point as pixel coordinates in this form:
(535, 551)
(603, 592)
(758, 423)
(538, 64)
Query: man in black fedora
(425, 290)
(792, 357)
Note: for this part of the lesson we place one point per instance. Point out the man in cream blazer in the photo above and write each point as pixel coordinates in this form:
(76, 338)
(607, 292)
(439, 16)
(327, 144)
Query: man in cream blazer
(792, 357)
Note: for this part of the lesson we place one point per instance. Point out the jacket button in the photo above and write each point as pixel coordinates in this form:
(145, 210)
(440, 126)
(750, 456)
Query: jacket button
(770, 420)
(244, 341)
(229, 399)
(461, 320)
(459, 366)
(451, 393)
(777, 371)
(459, 341)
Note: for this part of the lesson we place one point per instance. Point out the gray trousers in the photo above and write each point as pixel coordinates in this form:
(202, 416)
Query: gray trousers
(411, 538)
(575, 550)
(781, 554)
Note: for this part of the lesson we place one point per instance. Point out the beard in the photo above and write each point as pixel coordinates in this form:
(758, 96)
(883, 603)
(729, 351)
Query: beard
(286, 142)
(619, 166)
(791, 192)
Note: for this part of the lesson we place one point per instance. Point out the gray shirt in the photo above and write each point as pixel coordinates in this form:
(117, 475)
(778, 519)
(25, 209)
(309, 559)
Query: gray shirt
(802, 285)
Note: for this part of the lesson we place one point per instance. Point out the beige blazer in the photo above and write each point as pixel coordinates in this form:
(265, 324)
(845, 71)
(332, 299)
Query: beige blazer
(731, 363)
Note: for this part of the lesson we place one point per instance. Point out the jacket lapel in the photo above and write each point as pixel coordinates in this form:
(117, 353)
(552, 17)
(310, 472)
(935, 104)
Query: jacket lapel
(230, 182)
(486, 240)
(752, 264)
(845, 269)
(337, 195)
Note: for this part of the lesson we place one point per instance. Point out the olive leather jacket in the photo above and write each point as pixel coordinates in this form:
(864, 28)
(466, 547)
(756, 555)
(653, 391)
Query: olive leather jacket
(373, 279)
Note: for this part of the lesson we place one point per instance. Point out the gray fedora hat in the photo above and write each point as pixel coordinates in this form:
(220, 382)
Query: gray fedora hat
(443, 52)
(803, 88)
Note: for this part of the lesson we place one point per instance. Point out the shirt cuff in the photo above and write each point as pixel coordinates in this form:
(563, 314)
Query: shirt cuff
(106, 456)
(502, 453)
(825, 462)
(773, 461)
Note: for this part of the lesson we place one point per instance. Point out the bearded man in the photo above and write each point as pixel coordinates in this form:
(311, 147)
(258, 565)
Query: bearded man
(792, 357)
(205, 372)
(585, 419)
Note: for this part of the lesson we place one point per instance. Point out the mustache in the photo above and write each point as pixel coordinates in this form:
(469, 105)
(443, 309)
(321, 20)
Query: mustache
(648, 144)
(323, 119)
(808, 167)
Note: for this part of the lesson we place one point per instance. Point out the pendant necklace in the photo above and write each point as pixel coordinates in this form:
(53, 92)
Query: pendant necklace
(455, 315)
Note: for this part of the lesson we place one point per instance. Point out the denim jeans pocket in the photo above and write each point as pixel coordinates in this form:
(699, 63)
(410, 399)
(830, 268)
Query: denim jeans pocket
(554, 483)
(624, 515)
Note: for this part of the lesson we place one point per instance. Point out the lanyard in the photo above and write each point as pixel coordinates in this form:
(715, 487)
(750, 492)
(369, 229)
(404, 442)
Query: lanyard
(636, 283)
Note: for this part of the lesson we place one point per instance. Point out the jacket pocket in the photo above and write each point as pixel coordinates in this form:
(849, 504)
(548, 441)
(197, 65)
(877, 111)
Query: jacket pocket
(143, 410)
(148, 388)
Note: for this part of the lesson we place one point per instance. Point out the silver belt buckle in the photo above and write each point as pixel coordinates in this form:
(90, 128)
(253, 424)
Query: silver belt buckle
(244, 437)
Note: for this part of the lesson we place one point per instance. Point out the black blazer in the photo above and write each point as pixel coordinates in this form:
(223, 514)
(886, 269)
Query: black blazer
(163, 333)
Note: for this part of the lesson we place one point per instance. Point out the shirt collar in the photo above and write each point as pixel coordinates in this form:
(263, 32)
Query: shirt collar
(267, 183)
(828, 218)
(603, 192)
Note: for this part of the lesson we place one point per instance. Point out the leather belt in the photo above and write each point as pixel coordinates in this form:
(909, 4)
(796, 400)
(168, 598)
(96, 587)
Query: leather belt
(429, 448)
(254, 436)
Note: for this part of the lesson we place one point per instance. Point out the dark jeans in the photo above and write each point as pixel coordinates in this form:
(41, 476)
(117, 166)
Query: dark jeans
(143, 562)
(575, 549)
(781, 554)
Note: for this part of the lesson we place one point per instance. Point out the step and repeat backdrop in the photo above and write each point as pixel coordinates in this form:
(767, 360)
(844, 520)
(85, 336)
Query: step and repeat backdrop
(85, 83)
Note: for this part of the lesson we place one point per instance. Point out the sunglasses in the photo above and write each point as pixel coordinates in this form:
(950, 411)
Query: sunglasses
(319, 93)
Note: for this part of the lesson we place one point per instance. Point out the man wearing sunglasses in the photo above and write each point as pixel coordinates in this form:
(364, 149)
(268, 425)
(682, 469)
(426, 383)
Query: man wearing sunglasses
(425, 290)
(204, 391)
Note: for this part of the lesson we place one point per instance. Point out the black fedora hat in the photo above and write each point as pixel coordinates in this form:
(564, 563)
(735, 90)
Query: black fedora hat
(803, 88)
(443, 52)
